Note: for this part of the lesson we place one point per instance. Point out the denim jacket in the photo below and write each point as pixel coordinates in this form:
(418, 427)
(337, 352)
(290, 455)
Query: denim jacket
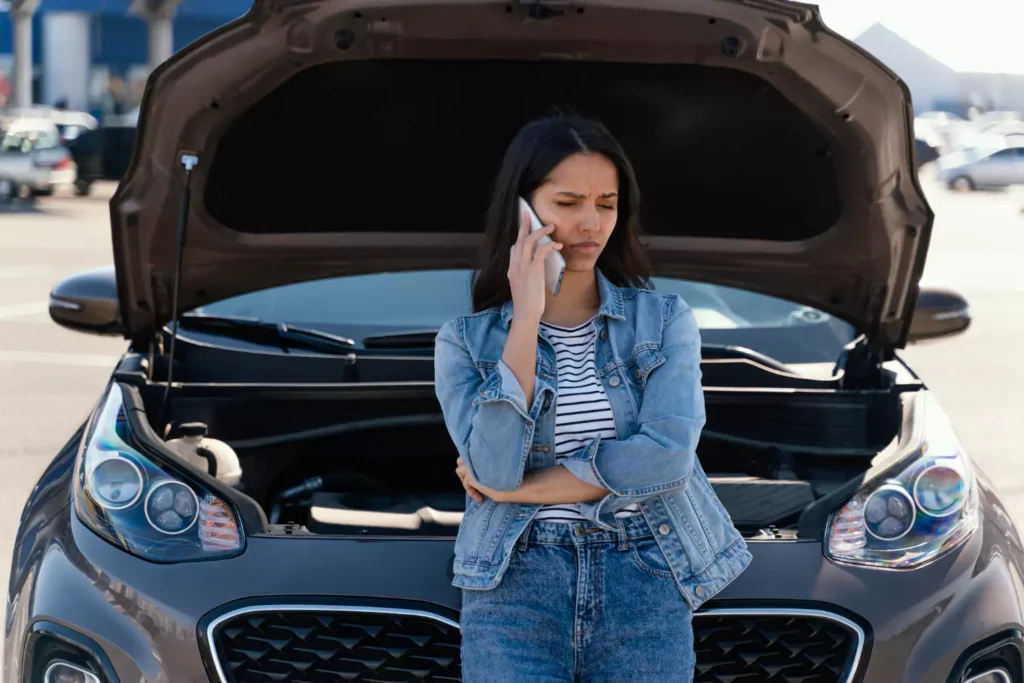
(648, 358)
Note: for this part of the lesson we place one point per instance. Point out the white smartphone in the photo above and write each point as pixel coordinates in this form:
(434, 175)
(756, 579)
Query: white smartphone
(554, 264)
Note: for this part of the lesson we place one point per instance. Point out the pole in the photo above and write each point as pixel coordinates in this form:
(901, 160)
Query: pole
(21, 18)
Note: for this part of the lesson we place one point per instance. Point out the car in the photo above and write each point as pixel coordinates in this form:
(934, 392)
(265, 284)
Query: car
(982, 167)
(101, 154)
(265, 489)
(33, 157)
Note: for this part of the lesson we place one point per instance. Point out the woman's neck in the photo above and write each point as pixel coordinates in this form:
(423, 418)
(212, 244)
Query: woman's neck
(577, 302)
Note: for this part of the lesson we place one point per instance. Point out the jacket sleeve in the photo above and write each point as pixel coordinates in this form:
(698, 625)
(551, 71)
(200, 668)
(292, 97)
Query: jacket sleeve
(485, 411)
(660, 456)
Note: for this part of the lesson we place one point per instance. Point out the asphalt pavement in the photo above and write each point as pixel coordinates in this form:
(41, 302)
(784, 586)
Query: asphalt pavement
(50, 378)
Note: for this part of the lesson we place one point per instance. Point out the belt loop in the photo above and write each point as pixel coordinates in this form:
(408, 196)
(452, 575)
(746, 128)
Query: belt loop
(621, 533)
(523, 542)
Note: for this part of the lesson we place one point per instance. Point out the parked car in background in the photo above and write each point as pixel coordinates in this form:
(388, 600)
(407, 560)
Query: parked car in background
(924, 153)
(938, 128)
(974, 168)
(101, 154)
(70, 124)
(34, 159)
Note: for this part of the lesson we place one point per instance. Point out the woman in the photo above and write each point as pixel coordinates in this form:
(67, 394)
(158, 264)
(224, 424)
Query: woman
(591, 533)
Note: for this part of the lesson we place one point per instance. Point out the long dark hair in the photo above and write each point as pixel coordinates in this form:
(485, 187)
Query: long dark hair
(537, 148)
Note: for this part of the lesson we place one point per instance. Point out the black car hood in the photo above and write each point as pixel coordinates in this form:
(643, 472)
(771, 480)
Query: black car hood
(338, 137)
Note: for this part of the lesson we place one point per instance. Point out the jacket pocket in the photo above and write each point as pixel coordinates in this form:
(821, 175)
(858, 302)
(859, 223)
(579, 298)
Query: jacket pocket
(645, 360)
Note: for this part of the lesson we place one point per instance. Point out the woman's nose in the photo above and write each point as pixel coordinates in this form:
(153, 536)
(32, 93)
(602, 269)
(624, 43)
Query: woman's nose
(590, 221)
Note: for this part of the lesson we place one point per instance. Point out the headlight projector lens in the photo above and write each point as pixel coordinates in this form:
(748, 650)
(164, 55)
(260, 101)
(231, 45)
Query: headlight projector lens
(116, 483)
(172, 507)
(940, 491)
(889, 513)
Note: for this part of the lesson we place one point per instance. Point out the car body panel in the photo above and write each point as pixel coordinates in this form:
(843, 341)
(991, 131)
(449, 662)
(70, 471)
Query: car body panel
(146, 617)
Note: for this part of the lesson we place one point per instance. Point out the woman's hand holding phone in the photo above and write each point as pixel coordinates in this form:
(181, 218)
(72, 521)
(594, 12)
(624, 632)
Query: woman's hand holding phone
(526, 270)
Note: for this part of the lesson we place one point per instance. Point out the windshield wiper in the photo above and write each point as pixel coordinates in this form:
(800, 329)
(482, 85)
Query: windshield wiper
(415, 339)
(282, 335)
(726, 352)
(418, 339)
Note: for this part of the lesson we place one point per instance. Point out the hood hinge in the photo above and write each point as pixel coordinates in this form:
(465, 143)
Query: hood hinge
(861, 362)
(162, 284)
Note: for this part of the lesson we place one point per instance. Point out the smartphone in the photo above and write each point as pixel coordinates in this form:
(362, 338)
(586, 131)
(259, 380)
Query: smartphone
(554, 264)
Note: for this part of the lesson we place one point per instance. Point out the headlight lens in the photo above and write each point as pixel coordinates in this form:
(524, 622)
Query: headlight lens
(146, 508)
(920, 510)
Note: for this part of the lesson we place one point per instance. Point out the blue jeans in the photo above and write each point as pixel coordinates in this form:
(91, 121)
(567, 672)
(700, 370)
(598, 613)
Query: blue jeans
(578, 603)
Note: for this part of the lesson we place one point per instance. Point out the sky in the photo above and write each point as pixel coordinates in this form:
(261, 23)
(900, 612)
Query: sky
(966, 35)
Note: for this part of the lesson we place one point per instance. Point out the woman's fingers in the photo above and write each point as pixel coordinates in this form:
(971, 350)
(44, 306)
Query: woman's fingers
(524, 232)
(473, 492)
(461, 470)
(530, 241)
(544, 249)
(524, 226)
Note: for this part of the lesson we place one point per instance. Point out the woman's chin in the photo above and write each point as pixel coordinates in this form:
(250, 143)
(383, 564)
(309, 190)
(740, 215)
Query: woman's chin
(580, 264)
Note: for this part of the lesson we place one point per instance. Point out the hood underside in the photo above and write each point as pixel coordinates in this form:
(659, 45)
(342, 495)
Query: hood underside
(337, 138)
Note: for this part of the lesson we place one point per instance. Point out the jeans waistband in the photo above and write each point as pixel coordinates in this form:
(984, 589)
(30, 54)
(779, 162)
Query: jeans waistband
(577, 533)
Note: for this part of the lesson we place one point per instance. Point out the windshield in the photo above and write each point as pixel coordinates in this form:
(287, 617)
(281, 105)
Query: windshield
(25, 141)
(363, 305)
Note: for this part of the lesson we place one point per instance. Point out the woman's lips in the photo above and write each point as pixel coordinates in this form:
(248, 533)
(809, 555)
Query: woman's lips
(585, 248)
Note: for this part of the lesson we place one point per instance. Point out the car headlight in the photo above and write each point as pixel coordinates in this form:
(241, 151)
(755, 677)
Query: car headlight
(921, 509)
(143, 507)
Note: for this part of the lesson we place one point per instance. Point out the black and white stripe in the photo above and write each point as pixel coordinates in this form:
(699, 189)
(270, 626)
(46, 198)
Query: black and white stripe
(582, 411)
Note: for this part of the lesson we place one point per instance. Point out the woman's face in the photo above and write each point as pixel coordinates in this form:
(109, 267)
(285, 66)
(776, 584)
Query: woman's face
(581, 198)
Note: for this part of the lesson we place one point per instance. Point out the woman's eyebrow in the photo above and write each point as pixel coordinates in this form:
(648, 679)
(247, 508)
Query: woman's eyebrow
(576, 195)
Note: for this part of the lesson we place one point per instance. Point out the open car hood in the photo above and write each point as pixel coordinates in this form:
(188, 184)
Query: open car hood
(338, 137)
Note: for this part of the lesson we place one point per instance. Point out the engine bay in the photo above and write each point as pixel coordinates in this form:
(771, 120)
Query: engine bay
(388, 467)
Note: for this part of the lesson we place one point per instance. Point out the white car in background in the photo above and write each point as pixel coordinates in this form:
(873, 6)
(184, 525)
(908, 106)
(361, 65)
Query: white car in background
(974, 168)
(34, 158)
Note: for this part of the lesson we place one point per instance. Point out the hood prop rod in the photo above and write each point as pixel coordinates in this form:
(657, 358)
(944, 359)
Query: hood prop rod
(188, 162)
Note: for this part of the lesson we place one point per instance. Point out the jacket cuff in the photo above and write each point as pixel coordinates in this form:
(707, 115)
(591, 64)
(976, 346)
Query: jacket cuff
(502, 385)
(583, 469)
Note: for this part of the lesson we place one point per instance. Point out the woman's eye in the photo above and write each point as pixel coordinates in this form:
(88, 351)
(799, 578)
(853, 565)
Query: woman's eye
(605, 206)
(566, 203)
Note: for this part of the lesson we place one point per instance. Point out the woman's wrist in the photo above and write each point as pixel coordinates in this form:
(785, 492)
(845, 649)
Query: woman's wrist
(525, 323)
(551, 486)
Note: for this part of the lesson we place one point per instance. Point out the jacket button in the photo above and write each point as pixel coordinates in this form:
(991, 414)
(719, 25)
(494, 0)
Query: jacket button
(664, 529)
(604, 334)
(614, 381)
(639, 373)
(699, 591)
(547, 401)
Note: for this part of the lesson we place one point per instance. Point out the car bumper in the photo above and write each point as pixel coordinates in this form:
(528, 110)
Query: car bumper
(34, 179)
(147, 621)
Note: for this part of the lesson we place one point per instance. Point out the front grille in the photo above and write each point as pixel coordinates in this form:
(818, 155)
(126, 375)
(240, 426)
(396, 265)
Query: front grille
(733, 645)
(289, 644)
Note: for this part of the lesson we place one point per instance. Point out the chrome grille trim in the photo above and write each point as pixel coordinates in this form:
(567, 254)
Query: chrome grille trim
(719, 612)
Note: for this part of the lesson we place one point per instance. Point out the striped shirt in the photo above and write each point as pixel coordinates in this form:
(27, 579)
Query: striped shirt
(582, 410)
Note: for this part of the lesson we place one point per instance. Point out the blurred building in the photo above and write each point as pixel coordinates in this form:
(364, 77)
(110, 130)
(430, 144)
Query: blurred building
(95, 55)
(934, 85)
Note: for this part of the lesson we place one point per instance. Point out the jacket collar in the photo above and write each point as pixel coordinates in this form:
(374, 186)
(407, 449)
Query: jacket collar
(612, 305)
